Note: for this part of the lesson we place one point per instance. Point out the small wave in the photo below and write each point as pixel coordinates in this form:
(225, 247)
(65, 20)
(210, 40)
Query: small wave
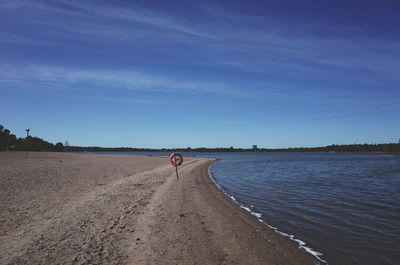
(302, 244)
(258, 215)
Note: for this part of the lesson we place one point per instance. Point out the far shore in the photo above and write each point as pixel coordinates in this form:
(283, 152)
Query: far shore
(71, 208)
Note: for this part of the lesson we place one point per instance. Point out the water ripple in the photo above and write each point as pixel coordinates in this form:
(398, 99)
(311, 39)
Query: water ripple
(345, 206)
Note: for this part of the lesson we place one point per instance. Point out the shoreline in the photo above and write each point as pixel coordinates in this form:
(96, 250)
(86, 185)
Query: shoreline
(110, 209)
(212, 224)
(301, 244)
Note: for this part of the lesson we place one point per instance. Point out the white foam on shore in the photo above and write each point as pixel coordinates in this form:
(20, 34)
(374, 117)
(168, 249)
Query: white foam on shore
(258, 215)
(302, 244)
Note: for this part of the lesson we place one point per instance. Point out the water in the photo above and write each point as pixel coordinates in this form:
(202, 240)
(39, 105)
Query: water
(343, 208)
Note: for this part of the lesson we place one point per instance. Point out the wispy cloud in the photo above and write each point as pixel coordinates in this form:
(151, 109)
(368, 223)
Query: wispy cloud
(244, 43)
(53, 76)
(97, 11)
(141, 101)
(12, 38)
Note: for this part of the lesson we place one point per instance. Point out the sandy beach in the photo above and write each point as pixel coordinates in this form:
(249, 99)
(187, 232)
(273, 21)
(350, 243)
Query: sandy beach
(63, 208)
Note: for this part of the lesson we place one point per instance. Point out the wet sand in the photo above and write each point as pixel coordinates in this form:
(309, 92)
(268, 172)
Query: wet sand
(117, 209)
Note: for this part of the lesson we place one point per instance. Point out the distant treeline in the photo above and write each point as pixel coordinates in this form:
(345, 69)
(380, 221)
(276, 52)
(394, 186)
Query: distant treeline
(386, 148)
(110, 149)
(9, 141)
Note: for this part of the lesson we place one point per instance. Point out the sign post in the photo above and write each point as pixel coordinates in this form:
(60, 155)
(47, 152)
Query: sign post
(176, 159)
(27, 140)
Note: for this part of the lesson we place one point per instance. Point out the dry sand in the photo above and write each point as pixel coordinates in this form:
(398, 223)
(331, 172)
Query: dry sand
(60, 208)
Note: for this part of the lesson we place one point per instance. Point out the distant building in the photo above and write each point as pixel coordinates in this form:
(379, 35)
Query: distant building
(255, 147)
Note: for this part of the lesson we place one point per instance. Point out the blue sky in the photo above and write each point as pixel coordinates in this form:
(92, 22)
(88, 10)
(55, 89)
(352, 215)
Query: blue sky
(207, 73)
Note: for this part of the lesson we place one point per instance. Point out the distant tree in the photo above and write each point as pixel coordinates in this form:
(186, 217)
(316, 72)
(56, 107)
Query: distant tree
(6, 134)
(12, 141)
(6, 139)
(66, 146)
(59, 147)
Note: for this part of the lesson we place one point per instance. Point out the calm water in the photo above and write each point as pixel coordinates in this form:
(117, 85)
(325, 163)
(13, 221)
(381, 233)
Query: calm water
(344, 206)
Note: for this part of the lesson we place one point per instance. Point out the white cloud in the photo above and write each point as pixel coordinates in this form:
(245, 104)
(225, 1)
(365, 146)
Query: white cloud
(53, 76)
(97, 11)
(246, 43)
(142, 101)
(12, 38)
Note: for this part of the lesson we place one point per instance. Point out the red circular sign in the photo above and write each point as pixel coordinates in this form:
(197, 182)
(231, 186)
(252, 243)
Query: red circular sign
(176, 159)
